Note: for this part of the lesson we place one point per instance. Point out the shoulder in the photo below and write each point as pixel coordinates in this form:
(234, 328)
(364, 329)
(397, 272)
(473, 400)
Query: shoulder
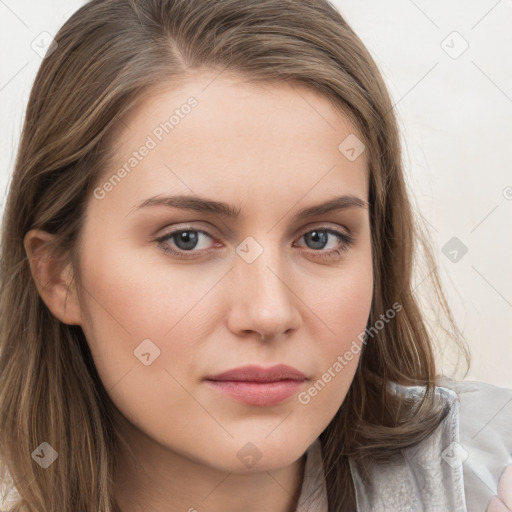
(458, 467)
(484, 448)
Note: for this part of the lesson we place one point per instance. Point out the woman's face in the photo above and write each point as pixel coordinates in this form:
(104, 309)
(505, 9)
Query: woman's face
(161, 313)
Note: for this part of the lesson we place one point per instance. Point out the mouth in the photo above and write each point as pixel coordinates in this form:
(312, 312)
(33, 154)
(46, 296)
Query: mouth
(258, 386)
(263, 394)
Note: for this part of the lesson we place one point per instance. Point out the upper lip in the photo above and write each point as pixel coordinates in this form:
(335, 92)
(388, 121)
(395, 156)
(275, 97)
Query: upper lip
(253, 373)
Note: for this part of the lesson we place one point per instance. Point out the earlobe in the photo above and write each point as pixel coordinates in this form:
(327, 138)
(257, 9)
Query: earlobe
(53, 277)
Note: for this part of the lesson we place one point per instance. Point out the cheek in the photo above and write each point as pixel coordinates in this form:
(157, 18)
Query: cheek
(136, 308)
(343, 302)
(144, 336)
(342, 307)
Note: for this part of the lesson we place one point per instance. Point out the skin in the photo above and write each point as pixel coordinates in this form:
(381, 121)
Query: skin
(502, 502)
(270, 151)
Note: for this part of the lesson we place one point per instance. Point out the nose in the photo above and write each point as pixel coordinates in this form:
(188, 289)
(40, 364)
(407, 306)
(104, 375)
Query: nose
(262, 296)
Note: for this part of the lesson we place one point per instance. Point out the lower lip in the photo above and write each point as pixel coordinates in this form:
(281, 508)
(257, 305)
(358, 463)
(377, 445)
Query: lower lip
(258, 393)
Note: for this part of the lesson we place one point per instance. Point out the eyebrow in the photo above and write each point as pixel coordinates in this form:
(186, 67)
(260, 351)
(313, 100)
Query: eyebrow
(204, 205)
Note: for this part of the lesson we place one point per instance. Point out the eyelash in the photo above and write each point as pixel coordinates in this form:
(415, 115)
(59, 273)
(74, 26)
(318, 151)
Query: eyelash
(346, 239)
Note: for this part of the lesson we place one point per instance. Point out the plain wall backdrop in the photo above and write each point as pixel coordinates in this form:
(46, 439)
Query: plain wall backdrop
(448, 67)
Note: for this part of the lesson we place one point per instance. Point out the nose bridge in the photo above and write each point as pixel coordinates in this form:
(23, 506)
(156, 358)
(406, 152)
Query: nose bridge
(263, 274)
(262, 298)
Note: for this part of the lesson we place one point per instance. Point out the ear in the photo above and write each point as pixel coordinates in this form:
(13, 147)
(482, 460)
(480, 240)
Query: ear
(53, 278)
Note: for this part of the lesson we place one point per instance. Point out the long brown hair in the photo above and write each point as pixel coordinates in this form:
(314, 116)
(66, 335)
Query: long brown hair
(108, 55)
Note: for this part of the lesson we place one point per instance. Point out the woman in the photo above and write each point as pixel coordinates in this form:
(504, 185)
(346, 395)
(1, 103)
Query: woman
(206, 295)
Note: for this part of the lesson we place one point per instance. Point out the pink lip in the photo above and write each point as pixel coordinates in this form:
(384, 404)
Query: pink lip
(259, 374)
(255, 385)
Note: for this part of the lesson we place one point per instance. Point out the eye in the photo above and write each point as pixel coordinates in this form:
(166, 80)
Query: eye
(187, 242)
(185, 239)
(318, 238)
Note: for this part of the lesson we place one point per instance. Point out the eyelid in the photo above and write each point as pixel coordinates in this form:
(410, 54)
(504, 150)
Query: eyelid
(199, 226)
(324, 226)
(214, 233)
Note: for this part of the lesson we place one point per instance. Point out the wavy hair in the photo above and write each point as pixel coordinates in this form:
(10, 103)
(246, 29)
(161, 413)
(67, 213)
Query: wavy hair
(109, 54)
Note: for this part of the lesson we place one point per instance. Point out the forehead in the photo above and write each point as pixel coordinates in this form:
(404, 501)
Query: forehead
(216, 134)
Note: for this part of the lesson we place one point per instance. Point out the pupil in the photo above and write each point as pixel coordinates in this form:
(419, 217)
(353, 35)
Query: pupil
(319, 239)
(186, 240)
